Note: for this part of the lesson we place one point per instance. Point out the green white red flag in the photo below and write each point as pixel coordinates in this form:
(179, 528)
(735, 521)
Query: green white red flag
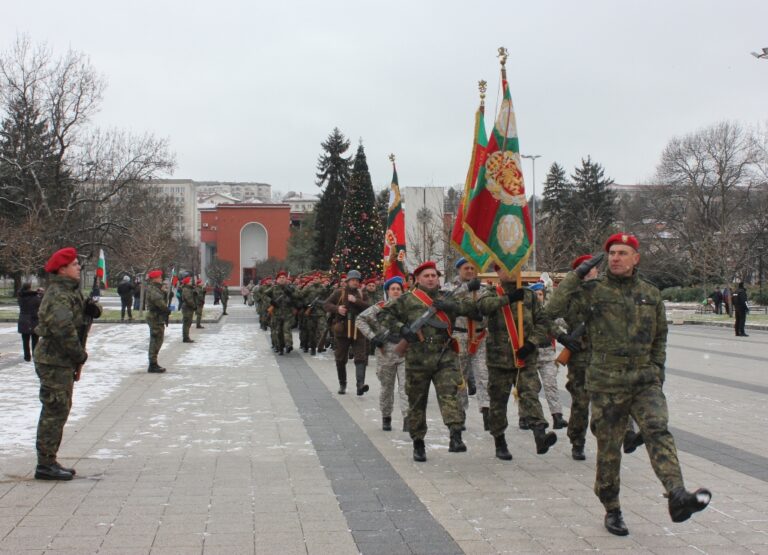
(394, 238)
(101, 269)
(460, 239)
(498, 216)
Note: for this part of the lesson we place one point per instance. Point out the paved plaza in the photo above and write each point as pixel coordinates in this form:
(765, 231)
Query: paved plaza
(236, 450)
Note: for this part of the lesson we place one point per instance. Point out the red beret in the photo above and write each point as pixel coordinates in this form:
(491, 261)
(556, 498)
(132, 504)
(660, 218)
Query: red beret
(428, 265)
(186, 280)
(60, 258)
(199, 281)
(281, 273)
(579, 260)
(624, 239)
(343, 276)
(155, 274)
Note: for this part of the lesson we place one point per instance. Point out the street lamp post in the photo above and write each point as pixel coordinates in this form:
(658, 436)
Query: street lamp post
(532, 158)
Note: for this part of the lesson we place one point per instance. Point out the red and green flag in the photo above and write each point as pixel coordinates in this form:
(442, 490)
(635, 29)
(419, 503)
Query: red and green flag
(394, 238)
(460, 239)
(497, 216)
(101, 269)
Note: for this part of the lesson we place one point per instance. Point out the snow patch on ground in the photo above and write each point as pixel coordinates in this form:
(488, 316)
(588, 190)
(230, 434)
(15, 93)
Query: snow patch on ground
(225, 348)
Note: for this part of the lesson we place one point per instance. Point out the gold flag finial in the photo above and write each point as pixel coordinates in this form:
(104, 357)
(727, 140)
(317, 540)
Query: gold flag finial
(483, 86)
(392, 158)
(503, 53)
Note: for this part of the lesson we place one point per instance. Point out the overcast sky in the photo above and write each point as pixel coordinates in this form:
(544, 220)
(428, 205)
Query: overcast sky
(247, 90)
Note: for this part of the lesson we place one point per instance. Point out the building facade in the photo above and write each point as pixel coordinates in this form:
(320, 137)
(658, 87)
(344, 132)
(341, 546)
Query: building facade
(424, 225)
(183, 195)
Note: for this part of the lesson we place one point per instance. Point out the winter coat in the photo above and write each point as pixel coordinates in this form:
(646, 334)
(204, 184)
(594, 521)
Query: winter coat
(29, 304)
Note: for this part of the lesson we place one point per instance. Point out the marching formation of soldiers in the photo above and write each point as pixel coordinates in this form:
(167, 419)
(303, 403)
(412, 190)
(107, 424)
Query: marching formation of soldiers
(466, 338)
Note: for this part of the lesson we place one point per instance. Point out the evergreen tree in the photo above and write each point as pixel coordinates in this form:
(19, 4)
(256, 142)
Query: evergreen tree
(361, 237)
(333, 173)
(557, 193)
(593, 206)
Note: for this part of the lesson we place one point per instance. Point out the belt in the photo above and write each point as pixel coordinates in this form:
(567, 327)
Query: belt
(620, 359)
(465, 330)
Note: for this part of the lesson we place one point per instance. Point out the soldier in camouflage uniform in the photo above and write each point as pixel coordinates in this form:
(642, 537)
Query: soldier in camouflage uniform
(261, 301)
(58, 356)
(313, 296)
(627, 325)
(470, 337)
(200, 291)
(389, 365)
(157, 318)
(282, 298)
(344, 305)
(224, 297)
(503, 376)
(431, 356)
(188, 307)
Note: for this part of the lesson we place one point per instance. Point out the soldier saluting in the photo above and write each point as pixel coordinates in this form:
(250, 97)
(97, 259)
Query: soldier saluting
(59, 355)
(627, 326)
(157, 318)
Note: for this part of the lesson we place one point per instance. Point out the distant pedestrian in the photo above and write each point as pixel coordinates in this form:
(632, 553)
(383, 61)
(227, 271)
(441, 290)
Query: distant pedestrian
(717, 298)
(125, 290)
(740, 309)
(157, 318)
(216, 294)
(245, 292)
(137, 294)
(29, 304)
(224, 297)
(727, 300)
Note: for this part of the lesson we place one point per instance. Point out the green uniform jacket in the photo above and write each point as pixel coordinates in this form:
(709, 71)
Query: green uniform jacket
(574, 309)
(536, 325)
(60, 317)
(406, 309)
(627, 325)
(188, 298)
(284, 298)
(157, 304)
(317, 293)
(200, 291)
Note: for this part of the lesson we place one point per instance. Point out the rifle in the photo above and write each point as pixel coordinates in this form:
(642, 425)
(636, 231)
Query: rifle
(312, 306)
(420, 322)
(82, 334)
(565, 355)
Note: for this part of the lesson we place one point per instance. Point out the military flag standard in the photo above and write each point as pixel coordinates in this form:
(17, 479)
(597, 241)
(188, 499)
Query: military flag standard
(460, 239)
(497, 216)
(394, 237)
(101, 269)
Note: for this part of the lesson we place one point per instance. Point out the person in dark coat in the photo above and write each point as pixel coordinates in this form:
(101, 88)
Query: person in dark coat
(717, 298)
(29, 304)
(740, 309)
(125, 290)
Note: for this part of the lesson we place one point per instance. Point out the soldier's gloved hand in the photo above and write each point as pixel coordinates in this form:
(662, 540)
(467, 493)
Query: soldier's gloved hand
(584, 268)
(526, 349)
(408, 334)
(473, 285)
(443, 305)
(569, 342)
(516, 295)
(92, 309)
(378, 342)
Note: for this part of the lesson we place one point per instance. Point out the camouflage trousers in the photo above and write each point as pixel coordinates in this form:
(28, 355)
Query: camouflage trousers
(390, 368)
(579, 417)
(548, 373)
(501, 381)
(313, 330)
(281, 331)
(473, 367)
(198, 315)
(444, 373)
(56, 383)
(156, 336)
(648, 406)
(186, 322)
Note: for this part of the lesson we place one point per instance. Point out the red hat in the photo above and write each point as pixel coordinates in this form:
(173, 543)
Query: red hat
(624, 239)
(580, 259)
(60, 258)
(199, 281)
(186, 280)
(281, 273)
(428, 265)
(155, 274)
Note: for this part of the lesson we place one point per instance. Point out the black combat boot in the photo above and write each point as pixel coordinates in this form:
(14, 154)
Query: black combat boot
(577, 452)
(188, 340)
(288, 349)
(682, 504)
(523, 423)
(486, 412)
(51, 472)
(471, 385)
(456, 445)
(419, 452)
(614, 523)
(198, 326)
(558, 422)
(502, 452)
(280, 351)
(632, 440)
(386, 423)
(406, 427)
(341, 373)
(155, 368)
(312, 351)
(362, 387)
(305, 349)
(65, 469)
(544, 439)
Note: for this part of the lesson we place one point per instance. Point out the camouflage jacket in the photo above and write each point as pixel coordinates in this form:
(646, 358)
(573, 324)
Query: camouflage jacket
(370, 325)
(536, 325)
(627, 325)
(157, 304)
(200, 292)
(312, 298)
(407, 308)
(339, 298)
(573, 307)
(188, 298)
(61, 319)
(284, 298)
(460, 290)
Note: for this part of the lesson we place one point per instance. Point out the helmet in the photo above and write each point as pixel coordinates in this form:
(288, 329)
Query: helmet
(354, 274)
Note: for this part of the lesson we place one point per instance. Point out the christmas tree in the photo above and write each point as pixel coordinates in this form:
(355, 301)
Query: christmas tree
(358, 245)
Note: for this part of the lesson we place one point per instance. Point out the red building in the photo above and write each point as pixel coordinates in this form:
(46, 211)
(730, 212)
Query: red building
(244, 234)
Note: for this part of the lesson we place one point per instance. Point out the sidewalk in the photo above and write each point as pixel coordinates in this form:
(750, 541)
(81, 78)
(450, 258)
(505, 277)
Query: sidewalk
(236, 450)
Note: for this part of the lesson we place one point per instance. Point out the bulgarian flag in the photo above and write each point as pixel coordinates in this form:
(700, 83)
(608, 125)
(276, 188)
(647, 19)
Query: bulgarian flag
(101, 269)
(461, 240)
(497, 216)
(394, 238)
